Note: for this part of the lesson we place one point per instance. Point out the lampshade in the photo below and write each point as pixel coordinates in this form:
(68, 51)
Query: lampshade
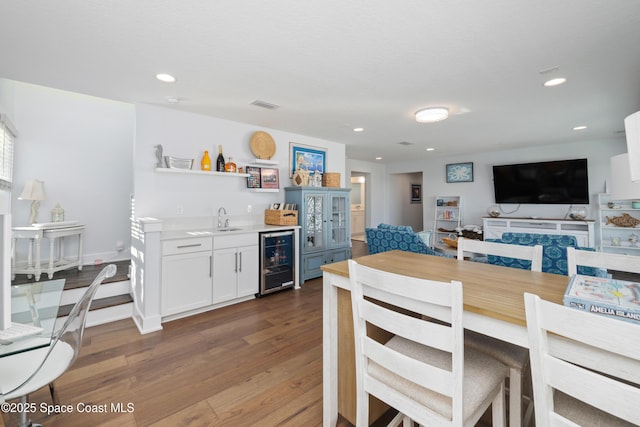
(432, 114)
(622, 188)
(33, 190)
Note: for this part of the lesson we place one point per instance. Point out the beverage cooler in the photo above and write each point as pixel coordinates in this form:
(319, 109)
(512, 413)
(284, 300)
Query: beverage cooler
(277, 261)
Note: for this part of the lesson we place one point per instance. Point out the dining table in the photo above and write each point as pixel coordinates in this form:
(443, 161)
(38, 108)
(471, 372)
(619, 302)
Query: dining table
(35, 304)
(493, 298)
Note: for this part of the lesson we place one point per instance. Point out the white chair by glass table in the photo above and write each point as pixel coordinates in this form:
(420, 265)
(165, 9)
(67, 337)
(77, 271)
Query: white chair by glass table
(55, 232)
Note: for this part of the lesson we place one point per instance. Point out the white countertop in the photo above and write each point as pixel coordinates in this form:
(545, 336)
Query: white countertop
(205, 232)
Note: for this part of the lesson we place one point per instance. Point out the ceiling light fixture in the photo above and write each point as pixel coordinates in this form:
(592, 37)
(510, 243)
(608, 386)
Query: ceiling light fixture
(167, 78)
(432, 114)
(582, 127)
(555, 82)
(358, 129)
(378, 158)
(430, 149)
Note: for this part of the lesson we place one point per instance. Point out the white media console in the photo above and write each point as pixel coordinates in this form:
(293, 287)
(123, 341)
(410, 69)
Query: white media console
(582, 230)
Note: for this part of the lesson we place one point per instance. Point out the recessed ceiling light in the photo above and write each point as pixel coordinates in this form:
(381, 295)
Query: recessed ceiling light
(430, 149)
(173, 99)
(432, 114)
(167, 78)
(378, 158)
(582, 127)
(358, 129)
(555, 82)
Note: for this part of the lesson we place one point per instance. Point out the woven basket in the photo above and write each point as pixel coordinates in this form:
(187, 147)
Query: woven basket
(280, 217)
(331, 179)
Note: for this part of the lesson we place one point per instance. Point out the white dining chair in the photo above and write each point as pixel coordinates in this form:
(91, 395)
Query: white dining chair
(585, 366)
(529, 253)
(605, 260)
(24, 373)
(515, 357)
(424, 371)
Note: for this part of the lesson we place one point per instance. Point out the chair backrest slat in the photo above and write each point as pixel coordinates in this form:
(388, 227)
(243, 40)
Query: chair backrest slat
(606, 260)
(529, 253)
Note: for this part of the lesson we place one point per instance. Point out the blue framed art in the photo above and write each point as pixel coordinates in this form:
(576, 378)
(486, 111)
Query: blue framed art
(310, 158)
(460, 172)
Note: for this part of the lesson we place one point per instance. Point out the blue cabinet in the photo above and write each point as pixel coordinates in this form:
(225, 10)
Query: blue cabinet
(323, 215)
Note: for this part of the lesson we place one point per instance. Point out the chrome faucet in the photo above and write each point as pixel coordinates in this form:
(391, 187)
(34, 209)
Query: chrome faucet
(220, 212)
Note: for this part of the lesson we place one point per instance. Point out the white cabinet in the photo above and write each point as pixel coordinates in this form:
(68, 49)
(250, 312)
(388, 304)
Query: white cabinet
(615, 238)
(583, 231)
(235, 266)
(447, 217)
(357, 222)
(186, 275)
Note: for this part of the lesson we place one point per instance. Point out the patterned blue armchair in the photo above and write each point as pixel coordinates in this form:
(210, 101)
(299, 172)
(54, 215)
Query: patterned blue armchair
(397, 237)
(554, 251)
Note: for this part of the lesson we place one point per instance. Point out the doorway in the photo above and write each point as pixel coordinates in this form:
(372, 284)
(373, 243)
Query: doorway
(358, 206)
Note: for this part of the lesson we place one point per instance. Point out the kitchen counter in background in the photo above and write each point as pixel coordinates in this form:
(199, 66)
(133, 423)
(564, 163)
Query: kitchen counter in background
(157, 238)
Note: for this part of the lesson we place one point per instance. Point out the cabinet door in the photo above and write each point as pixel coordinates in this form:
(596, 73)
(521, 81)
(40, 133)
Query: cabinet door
(186, 282)
(248, 271)
(314, 221)
(224, 274)
(339, 232)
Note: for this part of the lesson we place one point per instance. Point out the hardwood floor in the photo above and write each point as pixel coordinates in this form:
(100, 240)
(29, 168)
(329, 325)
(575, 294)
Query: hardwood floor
(257, 363)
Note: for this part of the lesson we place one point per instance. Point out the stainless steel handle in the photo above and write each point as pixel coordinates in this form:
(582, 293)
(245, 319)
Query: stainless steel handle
(236, 268)
(240, 263)
(284, 233)
(210, 265)
(194, 245)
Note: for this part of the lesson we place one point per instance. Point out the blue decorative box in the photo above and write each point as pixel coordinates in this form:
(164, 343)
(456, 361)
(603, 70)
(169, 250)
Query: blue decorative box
(619, 299)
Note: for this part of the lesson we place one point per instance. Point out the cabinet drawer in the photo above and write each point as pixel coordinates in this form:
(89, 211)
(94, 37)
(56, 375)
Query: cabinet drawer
(235, 240)
(181, 246)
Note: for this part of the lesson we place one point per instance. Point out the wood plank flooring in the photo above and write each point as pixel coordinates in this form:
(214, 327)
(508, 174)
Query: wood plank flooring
(257, 363)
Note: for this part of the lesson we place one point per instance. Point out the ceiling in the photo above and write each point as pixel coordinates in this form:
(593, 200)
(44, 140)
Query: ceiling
(334, 65)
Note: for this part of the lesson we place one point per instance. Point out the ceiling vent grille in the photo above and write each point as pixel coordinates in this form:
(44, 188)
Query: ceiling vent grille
(405, 143)
(265, 104)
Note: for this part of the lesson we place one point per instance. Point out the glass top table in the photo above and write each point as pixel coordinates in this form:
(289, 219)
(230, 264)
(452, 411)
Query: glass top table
(34, 304)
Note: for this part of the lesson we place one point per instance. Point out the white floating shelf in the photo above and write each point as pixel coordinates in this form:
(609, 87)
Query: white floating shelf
(265, 162)
(197, 172)
(265, 190)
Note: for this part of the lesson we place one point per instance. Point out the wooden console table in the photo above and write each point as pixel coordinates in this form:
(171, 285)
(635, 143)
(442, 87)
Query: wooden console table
(55, 232)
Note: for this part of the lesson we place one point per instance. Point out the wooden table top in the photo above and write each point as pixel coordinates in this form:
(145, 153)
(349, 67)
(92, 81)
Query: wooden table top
(488, 289)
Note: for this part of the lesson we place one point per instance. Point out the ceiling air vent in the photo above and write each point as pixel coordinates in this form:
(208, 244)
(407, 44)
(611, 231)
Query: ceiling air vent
(405, 143)
(265, 104)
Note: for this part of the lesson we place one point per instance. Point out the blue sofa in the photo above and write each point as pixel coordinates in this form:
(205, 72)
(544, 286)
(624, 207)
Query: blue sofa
(388, 237)
(554, 252)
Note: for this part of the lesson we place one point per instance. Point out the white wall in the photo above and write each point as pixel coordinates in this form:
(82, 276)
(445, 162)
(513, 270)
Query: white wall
(81, 147)
(187, 135)
(375, 190)
(477, 196)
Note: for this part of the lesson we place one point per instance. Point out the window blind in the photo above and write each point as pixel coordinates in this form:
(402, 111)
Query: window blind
(7, 141)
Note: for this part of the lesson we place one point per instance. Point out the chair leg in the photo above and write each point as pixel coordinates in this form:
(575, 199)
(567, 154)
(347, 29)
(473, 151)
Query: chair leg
(515, 397)
(498, 409)
(54, 394)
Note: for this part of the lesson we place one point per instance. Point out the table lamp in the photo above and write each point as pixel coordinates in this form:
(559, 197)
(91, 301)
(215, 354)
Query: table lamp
(622, 188)
(34, 191)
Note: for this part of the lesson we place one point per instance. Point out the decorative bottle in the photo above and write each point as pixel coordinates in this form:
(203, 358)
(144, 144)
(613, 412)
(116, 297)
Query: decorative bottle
(230, 166)
(206, 161)
(220, 161)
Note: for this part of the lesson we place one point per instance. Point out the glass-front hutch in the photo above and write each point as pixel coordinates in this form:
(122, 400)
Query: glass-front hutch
(323, 215)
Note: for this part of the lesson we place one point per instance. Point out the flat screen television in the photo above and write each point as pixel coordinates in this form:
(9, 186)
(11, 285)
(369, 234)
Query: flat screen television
(556, 182)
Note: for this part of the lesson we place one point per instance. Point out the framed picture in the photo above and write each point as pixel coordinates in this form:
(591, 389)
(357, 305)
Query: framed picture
(269, 178)
(460, 172)
(310, 158)
(253, 180)
(416, 193)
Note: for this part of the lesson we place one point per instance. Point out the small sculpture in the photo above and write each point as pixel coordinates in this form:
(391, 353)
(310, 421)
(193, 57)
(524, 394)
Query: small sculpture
(625, 220)
(159, 155)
